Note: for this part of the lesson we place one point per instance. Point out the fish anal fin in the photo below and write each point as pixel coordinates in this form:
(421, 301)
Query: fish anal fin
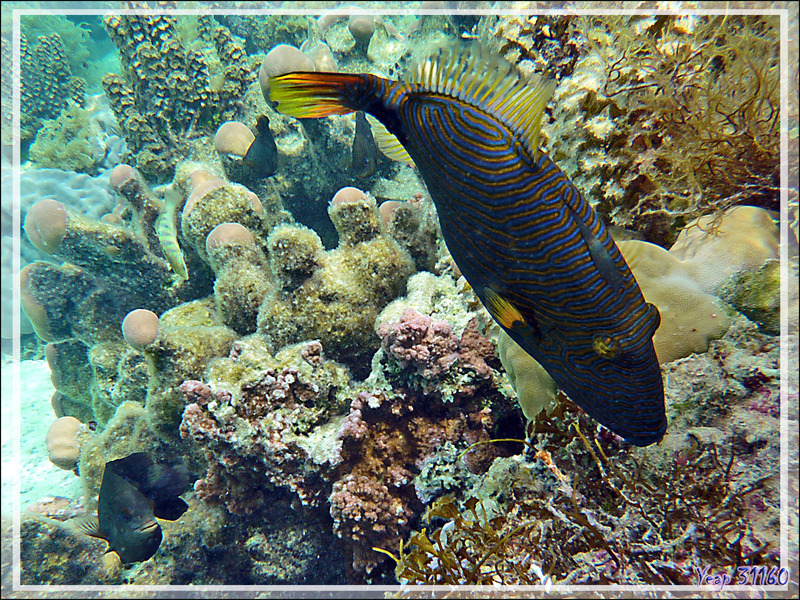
(388, 143)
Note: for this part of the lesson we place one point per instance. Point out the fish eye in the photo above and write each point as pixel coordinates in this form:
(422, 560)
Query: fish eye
(606, 346)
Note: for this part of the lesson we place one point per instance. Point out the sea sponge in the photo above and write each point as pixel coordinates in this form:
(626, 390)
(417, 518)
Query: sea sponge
(742, 238)
(233, 137)
(690, 318)
(46, 225)
(536, 390)
(362, 27)
(62, 443)
(140, 328)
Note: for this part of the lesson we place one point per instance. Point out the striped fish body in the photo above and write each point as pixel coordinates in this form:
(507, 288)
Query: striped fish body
(168, 235)
(531, 247)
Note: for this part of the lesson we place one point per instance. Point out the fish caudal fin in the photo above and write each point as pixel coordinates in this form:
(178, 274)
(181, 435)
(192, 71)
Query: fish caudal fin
(314, 95)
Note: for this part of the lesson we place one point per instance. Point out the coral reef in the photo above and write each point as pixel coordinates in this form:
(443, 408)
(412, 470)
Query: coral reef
(338, 302)
(170, 89)
(47, 83)
(668, 119)
(327, 377)
(707, 496)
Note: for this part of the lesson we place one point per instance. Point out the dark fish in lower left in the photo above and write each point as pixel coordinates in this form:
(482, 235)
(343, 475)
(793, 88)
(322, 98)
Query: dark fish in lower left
(134, 491)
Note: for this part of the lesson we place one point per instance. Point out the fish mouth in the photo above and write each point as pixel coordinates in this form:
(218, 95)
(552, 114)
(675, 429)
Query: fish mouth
(148, 528)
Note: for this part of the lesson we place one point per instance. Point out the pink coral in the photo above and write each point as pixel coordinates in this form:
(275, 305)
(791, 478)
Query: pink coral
(255, 445)
(419, 340)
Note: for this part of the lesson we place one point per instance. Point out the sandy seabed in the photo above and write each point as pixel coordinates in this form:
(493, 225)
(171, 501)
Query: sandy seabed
(26, 416)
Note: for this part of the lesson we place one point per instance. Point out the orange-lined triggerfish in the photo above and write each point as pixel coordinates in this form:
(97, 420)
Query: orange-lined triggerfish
(531, 247)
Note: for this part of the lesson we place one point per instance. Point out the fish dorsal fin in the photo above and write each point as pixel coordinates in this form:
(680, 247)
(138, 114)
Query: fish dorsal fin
(388, 142)
(88, 524)
(487, 81)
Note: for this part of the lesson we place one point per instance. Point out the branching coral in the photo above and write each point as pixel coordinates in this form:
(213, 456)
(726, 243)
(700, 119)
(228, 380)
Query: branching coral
(170, 89)
(47, 83)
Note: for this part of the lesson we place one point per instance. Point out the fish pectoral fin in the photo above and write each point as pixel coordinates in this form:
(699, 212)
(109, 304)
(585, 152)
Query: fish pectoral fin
(506, 314)
(89, 525)
(654, 316)
(388, 143)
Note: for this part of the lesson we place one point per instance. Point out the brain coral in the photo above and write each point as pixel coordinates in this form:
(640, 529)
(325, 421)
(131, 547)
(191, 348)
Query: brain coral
(690, 318)
(741, 239)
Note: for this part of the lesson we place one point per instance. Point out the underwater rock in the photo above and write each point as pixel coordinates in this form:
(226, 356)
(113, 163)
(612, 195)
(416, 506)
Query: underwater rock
(283, 408)
(53, 553)
(190, 335)
(757, 295)
(415, 226)
(120, 374)
(71, 375)
(214, 202)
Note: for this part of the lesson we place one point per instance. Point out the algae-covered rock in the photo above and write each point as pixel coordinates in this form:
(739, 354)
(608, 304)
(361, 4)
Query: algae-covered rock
(757, 295)
(53, 553)
(338, 302)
